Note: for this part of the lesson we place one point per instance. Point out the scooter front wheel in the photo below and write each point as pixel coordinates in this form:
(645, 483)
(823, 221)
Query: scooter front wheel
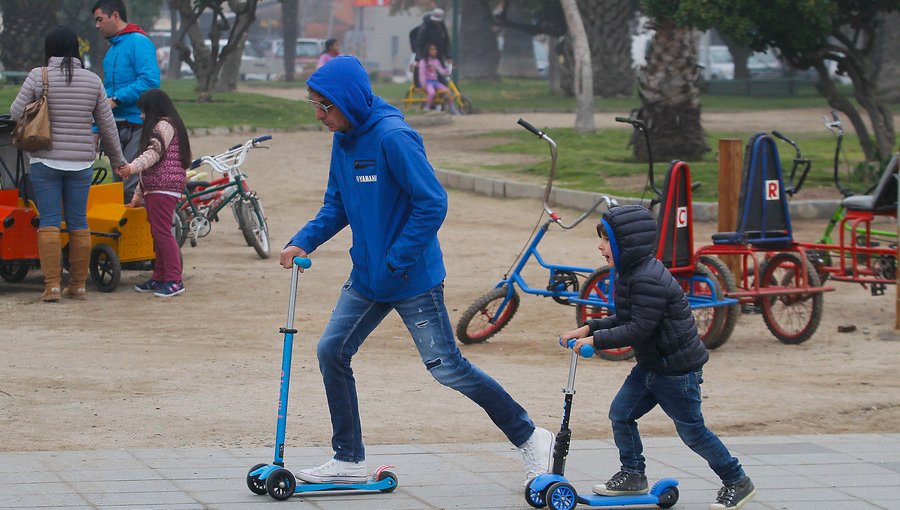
(385, 475)
(256, 485)
(481, 320)
(561, 496)
(281, 484)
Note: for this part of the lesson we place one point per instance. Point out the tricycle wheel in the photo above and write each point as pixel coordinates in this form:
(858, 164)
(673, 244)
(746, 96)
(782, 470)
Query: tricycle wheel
(256, 485)
(792, 318)
(105, 268)
(465, 105)
(668, 498)
(14, 271)
(709, 319)
(727, 284)
(480, 321)
(387, 474)
(281, 484)
(561, 496)
(598, 290)
(533, 497)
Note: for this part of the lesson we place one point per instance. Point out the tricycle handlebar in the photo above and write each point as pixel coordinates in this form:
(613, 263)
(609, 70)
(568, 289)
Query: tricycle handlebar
(525, 124)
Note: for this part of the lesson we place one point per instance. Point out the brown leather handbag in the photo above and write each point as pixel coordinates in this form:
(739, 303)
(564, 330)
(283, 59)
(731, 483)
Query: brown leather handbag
(33, 127)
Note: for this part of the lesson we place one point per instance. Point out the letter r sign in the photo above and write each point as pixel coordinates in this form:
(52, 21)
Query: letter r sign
(772, 191)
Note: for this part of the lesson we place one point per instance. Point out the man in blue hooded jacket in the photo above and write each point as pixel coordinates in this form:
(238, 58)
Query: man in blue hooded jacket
(381, 184)
(129, 69)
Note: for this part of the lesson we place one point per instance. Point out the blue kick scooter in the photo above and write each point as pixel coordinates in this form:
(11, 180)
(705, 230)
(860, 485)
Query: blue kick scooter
(273, 478)
(553, 490)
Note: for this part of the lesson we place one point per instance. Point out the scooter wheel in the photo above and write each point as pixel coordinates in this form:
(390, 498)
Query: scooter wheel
(256, 485)
(561, 496)
(533, 497)
(281, 484)
(668, 498)
(385, 475)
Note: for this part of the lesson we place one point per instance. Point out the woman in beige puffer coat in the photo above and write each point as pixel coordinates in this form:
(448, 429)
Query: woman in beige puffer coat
(61, 174)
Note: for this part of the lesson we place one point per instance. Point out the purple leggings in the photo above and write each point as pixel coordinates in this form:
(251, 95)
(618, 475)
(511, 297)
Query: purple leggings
(160, 208)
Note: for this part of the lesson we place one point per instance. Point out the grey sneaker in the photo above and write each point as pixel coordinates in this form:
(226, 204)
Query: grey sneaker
(623, 484)
(335, 471)
(733, 497)
(538, 453)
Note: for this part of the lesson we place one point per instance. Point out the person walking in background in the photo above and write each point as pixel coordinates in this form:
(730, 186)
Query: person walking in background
(161, 171)
(61, 174)
(129, 69)
(381, 184)
(433, 31)
(332, 49)
(654, 318)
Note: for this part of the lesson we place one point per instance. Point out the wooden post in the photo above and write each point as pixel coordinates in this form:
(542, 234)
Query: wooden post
(731, 161)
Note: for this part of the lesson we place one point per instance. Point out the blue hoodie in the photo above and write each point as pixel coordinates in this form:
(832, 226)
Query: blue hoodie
(381, 184)
(129, 70)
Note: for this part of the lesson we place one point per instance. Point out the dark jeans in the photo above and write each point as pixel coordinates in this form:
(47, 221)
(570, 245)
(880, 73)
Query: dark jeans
(425, 316)
(679, 397)
(130, 138)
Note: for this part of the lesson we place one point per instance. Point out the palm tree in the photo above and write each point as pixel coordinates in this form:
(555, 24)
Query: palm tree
(670, 96)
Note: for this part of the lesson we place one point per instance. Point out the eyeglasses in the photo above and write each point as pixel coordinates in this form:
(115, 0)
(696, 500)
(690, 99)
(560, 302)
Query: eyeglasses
(321, 106)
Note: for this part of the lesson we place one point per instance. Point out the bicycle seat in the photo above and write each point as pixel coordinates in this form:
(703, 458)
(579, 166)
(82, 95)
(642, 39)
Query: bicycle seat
(883, 197)
(192, 185)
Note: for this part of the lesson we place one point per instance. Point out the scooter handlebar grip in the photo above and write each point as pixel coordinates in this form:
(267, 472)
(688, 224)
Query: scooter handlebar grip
(524, 123)
(303, 262)
(586, 350)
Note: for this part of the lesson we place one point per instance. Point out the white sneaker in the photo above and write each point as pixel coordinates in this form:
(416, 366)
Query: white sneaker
(335, 471)
(538, 453)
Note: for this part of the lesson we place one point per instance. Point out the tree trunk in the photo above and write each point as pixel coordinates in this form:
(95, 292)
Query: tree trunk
(670, 97)
(24, 28)
(739, 55)
(584, 78)
(889, 59)
(230, 74)
(174, 70)
(290, 15)
(608, 25)
(478, 51)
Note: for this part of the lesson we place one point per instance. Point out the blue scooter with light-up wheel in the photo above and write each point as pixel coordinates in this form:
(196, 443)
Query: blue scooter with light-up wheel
(273, 478)
(553, 490)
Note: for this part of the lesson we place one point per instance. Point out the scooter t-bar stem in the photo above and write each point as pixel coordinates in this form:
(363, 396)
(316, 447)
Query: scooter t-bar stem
(299, 262)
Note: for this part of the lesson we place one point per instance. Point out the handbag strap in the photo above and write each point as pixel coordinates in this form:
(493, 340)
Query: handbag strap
(46, 82)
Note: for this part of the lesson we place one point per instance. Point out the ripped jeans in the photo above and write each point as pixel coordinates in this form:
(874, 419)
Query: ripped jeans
(426, 318)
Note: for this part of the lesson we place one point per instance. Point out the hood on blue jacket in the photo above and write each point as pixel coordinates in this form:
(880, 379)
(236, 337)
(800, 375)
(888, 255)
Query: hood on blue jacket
(345, 83)
(632, 234)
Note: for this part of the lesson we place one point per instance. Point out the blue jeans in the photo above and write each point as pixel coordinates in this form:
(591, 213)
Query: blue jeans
(679, 397)
(426, 318)
(61, 191)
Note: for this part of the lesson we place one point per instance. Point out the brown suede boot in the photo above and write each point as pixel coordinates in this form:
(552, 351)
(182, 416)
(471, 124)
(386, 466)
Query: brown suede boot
(49, 251)
(79, 258)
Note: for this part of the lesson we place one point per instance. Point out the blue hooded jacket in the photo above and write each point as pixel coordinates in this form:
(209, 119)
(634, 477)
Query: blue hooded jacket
(129, 70)
(382, 185)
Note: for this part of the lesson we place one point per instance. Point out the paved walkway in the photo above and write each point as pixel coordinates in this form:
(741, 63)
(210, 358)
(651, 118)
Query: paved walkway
(828, 472)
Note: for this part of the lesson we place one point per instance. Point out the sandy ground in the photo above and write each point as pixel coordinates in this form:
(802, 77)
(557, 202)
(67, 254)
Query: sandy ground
(129, 370)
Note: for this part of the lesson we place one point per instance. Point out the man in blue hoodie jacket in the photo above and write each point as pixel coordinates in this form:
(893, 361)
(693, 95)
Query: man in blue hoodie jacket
(129, 69)
(381, 184)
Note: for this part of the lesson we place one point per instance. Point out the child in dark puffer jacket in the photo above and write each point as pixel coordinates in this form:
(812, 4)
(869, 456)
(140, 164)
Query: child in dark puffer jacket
(166, 152)
(654, 318)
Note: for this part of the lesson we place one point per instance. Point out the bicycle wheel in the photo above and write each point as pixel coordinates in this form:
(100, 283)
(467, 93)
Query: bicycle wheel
(237, 207)
(792, 318)
(180, 226)
(480, 321)
(709, 319)
(599, 288)
(254, 227)
(726, 282)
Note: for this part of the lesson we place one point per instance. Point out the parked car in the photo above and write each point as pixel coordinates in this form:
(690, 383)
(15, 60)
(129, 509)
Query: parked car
(307, 55)
(715, 63)
(253, 65)
(765, 65)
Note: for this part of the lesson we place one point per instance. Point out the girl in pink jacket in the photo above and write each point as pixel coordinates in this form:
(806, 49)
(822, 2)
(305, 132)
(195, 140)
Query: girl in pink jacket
(430, 69)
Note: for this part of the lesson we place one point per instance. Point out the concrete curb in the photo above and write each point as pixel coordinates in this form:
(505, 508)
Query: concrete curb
(583, 200)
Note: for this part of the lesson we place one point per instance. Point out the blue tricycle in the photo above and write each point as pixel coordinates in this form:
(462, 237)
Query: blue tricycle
(553, 490)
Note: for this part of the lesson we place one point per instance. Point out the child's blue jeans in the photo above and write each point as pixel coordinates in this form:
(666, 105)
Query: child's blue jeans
(426, 318)
(679, 397)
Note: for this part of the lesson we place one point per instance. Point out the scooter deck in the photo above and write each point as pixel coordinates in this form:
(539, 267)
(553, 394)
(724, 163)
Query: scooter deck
(369, 485)
(539, 485)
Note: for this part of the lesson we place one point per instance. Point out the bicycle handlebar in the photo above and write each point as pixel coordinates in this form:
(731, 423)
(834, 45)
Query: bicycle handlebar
(303, 262)
(232, 158)
(525, 124)
(610, 202)
(640, 126)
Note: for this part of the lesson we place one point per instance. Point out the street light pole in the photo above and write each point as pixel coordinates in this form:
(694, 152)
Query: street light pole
(455, 47)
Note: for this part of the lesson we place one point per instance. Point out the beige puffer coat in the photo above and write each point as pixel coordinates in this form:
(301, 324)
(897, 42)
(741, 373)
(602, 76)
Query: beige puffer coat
(73, 108)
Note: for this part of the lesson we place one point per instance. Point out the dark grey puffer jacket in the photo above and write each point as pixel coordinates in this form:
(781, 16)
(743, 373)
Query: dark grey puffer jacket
(652, 314)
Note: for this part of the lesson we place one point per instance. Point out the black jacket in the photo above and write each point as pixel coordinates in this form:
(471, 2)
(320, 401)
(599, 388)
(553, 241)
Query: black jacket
(652, 314)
